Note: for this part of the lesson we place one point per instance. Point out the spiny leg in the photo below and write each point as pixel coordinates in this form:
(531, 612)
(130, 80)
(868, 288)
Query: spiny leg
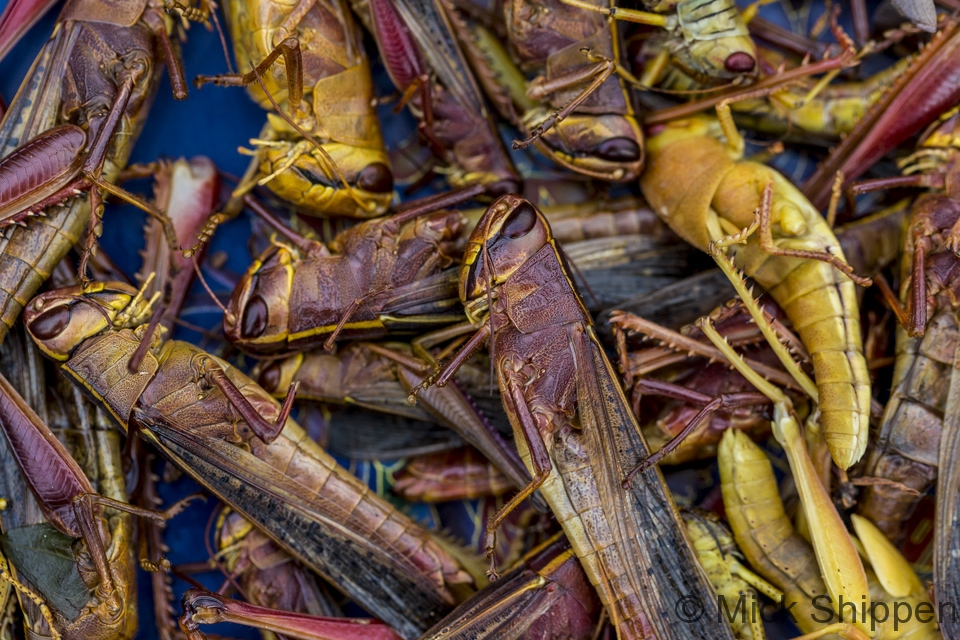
(29, 593)
(289, 48)
(767, 245)
(722, 402)
(750, 304)
(421, 345)
(836, 555)
(93, 169)
(90, 525)
(599, 73)
(540, 460)
(685, 344)
(263, 429)
(456, 334)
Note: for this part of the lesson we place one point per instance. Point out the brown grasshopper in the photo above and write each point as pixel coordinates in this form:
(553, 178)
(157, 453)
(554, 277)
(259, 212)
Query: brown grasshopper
(705, 190)
(547, 595)
(460, 474)
(905, 457)
(926, 89)
(379, 377)
(66, 497)
(918, 441)
(233, 438)
(381, 274)
(574, 427)
(254, 565)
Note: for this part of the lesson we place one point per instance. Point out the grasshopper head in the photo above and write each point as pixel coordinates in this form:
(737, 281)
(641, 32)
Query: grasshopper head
(720, 60)
(58, 321)
(605, 146)
(713, 43)
(313, 185)
(258, 311)
(275, 376)
(511, 232)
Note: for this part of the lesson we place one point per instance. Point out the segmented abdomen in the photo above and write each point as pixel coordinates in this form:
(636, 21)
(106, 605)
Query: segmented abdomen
(334, 489)
(461, 474)
(821, 302)
(761, 526)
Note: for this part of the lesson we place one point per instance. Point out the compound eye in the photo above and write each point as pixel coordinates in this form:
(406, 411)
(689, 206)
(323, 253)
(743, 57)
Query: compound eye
(618, 150)
(50, 324)
(520, 221)
(254, 318)
(270, 378)
(376, 178)
(740, 62)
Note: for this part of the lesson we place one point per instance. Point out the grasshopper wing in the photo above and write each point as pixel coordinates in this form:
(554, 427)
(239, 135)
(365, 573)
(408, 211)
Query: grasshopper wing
(946, 560)
(17, 19)
(432, 30)
(309, 526)
(34, 108)
(666, 576)
(922, 13)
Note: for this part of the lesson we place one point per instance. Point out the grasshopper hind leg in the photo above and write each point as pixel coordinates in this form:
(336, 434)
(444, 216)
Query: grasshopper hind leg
(542, 467)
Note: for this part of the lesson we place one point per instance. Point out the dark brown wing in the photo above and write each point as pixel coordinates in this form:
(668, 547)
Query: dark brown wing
(431, 300)
(621, 268)
(384, 583)
(354, 433)
(665, 572)
(503, 610)
(676, 304)
(946, 549)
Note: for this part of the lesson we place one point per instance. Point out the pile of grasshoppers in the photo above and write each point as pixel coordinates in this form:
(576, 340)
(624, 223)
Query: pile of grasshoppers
(563, 308)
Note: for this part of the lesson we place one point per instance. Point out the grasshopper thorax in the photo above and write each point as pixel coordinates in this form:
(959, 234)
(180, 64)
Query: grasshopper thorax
(511, 232)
